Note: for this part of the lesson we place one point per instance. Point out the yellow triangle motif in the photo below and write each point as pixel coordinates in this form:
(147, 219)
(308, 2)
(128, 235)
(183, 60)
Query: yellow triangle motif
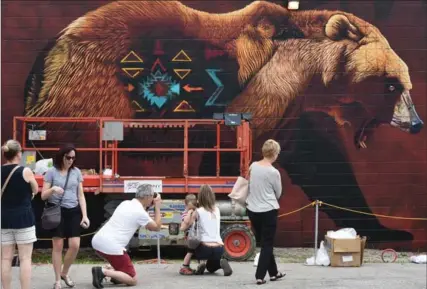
(184, 106)
(138, 107)
(181, 57)
(133, 71)
(182, 73)
(131, 57)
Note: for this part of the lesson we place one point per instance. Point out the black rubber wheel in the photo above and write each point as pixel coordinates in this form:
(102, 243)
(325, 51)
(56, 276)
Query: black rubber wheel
(239, 242)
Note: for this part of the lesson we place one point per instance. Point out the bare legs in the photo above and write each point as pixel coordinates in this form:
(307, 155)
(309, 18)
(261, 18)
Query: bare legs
(6, 265)
(70, 256)
(25, 251)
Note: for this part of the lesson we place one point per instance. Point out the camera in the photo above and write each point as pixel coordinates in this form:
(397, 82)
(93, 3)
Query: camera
(152, 203)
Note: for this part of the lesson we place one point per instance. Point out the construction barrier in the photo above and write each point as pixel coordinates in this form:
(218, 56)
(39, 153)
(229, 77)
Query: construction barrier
(315, 204)
(312, 204)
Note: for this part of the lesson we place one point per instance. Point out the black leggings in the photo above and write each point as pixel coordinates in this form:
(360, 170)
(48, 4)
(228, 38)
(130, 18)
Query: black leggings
(264, 225)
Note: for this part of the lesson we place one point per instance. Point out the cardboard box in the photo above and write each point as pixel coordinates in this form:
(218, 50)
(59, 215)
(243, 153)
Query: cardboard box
(345, 252)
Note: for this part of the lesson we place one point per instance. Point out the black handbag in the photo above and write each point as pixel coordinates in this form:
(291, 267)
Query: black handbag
(51, 217)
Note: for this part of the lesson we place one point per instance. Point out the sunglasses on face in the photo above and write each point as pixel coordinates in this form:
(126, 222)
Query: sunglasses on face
(70, 158)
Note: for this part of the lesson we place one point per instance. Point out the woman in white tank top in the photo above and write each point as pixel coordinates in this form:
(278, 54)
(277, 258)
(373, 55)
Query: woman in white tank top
(211, 248)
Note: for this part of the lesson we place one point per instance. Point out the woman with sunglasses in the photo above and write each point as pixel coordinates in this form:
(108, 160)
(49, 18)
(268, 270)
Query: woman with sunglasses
(63, 184)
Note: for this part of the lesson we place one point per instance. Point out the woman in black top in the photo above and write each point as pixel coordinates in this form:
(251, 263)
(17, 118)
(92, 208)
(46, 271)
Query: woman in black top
(17, 217)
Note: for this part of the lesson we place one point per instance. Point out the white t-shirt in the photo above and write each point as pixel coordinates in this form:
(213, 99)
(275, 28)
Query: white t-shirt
(113, 237)
(210, 225)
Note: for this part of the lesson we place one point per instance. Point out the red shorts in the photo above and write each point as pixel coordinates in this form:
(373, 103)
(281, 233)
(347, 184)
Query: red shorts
(121, 263)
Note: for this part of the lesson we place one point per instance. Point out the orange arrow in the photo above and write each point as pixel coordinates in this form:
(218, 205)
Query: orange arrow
(188, 88)
(130, 87)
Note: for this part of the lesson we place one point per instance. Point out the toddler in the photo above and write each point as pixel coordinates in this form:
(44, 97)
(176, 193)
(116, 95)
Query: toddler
(190, 205)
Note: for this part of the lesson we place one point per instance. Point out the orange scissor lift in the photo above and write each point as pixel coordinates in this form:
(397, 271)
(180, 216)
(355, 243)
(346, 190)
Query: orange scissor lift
(238, 238)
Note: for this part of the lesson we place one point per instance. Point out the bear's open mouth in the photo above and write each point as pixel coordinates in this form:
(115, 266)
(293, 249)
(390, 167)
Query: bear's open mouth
(364, 132)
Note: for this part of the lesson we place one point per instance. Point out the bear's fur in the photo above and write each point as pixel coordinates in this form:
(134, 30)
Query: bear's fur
(79, 74)
(326, 70)
(280, 53)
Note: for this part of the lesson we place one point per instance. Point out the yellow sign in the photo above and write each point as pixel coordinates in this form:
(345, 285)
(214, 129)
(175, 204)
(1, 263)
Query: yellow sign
(30, 160)
(168, 215)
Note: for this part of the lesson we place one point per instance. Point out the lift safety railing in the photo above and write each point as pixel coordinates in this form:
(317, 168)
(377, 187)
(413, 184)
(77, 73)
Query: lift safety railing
(105, 147)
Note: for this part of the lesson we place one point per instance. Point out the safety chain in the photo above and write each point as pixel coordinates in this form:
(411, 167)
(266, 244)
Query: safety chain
(312, 204)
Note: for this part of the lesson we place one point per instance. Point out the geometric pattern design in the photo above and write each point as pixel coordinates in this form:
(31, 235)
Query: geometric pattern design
(157, 63)
(131, 57)
(137, 107)
(220, 87)
(132, 71)
(182, 57)
(184, 106)
(182, 73)
(168, 88)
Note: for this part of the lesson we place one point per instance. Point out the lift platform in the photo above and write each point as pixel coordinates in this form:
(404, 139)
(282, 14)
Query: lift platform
(104, 144)
(111, 132)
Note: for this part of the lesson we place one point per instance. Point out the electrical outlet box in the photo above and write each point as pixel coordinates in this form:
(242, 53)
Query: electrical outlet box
(37, 135)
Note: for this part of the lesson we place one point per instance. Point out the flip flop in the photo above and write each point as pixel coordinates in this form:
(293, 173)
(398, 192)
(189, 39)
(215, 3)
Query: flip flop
(260, 282)
(68, 281)
(277, 277)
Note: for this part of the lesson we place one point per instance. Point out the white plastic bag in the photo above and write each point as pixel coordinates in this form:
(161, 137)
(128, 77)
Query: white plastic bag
(420, 259)
(108, 172)
(42, 166)
(345, 233)
(322, 257)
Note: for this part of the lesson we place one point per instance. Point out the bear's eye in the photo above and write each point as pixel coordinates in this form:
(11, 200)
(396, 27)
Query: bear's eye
(391, 88)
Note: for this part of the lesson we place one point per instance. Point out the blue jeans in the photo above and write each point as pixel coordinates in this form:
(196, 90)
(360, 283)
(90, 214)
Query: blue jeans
(212, 255)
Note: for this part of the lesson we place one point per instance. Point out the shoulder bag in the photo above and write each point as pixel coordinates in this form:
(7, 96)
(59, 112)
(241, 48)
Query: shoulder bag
(51, 217)
(194, 236)
(240, 190)
(8, 179)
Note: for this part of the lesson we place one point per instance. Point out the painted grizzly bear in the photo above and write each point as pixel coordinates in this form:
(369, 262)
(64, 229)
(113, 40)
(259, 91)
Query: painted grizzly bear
(289, 63)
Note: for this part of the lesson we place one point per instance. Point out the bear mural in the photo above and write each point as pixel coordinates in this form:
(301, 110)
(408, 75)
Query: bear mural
(163, 59)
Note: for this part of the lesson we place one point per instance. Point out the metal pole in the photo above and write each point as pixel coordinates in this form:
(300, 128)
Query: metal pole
(316, 230)
(158, 249)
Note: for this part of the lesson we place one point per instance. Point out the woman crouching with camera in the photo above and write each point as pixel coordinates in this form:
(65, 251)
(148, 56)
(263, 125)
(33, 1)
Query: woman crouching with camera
(63, 185)
(211, 248)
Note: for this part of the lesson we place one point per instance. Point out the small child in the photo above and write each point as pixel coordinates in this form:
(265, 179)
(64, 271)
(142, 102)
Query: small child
(190, 205)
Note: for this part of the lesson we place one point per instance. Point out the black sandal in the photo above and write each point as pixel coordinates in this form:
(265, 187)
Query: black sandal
(260, 282)
(277, 277)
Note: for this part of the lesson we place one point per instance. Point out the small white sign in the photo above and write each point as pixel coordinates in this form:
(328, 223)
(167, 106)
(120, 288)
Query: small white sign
(346, 259)
(130, 186)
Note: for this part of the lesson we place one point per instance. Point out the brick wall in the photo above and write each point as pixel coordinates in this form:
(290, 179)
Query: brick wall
(388, 178)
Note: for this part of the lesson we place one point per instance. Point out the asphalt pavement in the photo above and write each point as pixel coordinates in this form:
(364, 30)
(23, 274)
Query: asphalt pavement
(298, 276)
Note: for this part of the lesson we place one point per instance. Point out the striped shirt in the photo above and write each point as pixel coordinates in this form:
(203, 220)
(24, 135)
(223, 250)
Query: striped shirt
(183, 215)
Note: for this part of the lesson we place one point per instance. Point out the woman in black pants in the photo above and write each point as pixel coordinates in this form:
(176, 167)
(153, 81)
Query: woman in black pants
(265, 189)
(211, 249)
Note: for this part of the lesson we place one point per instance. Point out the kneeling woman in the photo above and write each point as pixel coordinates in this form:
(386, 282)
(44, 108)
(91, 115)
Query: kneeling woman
(211, 248)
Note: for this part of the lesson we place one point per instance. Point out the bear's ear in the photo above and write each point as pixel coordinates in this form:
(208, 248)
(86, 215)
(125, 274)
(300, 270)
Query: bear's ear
(254, 48)
(339, 27)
